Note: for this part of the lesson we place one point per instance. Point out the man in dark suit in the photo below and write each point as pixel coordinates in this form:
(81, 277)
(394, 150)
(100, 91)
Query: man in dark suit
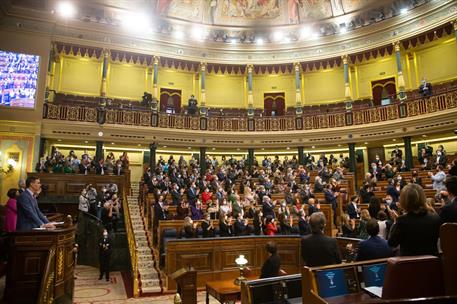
(268, 208)
(449, 211)
(29, 215)
(425, 89)
(353, 209)
(318, 249)
(375, 247)
(192, 194)
(392, 190)
(272, 265)
(176, 195)
(84, 168)
(104, 254)
(303, 225)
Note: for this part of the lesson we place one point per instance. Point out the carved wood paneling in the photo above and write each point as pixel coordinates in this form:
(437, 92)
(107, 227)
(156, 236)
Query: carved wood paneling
(415, 107)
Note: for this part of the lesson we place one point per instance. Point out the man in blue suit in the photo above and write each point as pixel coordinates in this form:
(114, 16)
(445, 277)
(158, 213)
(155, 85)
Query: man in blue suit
(29, 215)
(375, 247)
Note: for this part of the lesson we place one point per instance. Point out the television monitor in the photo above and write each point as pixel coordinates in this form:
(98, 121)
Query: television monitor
(373, 275)
(331, 283)
(18, 79)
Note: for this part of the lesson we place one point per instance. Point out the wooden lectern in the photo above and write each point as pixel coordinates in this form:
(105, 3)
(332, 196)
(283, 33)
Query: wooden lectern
(41, 267)
(186, 279)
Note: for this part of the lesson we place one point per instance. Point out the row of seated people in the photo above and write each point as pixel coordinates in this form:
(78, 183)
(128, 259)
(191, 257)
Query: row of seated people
(384, 214)
(59, 163)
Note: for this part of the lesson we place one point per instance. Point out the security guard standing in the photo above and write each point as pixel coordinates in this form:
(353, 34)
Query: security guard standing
(104, 246)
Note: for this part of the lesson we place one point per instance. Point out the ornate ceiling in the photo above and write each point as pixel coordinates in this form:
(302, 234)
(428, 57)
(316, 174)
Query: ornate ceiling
(234, 31)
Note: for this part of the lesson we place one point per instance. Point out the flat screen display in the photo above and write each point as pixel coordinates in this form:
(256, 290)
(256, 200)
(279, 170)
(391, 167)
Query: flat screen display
(331, 283)
(18, 79)
(373, 275)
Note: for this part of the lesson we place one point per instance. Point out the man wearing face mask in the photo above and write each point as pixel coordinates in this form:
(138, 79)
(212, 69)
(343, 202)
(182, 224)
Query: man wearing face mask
(105, 248)
(440, 159)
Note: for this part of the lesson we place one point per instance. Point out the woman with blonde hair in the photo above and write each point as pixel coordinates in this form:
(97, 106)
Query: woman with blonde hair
(190, 228)
(364, 218)
(416, 231)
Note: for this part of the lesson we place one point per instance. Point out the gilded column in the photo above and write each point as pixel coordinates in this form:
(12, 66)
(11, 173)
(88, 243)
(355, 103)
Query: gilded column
(104, 72)
(298, 103)
(250, 68)
(401, 79)
(202, 87)
(347, 87)
(50, 72)
(155, 77)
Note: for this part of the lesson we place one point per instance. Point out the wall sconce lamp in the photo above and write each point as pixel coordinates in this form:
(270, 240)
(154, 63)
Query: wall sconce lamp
(240, 262)
(11, 166)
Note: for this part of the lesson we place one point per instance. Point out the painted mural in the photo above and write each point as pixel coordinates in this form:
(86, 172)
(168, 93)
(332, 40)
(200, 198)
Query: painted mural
(254, 12)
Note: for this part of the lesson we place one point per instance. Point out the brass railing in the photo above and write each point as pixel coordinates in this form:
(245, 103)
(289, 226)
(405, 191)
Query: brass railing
(307, 121)
(132, 245)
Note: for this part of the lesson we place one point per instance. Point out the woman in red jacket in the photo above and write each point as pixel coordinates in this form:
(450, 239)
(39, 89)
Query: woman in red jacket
(206, 196)
(270, 226)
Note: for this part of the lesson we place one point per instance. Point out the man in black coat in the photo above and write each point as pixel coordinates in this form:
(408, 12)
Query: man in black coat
(272, 265)
(448, 213)
(318, 249)
(175, 195)
(105, 248)
(303, 225)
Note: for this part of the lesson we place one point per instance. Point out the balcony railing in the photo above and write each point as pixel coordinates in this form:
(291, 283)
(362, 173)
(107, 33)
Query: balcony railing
(410, 108)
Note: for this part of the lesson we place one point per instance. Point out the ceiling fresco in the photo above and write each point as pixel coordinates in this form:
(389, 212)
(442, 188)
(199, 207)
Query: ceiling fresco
(256, 12)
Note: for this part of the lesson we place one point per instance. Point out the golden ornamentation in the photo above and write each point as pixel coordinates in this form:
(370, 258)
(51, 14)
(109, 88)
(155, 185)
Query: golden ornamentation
(212, 124)
(145, 119)
(128, 118)
(72, 113)
(90, 114)
(110, 117)
(163, 121)
(345, 59)
(60, 263)
(274, 124)
(179, 122)
(194, 123)
(53, 111)
(396, 45)
(242, 124)
(308, 123)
